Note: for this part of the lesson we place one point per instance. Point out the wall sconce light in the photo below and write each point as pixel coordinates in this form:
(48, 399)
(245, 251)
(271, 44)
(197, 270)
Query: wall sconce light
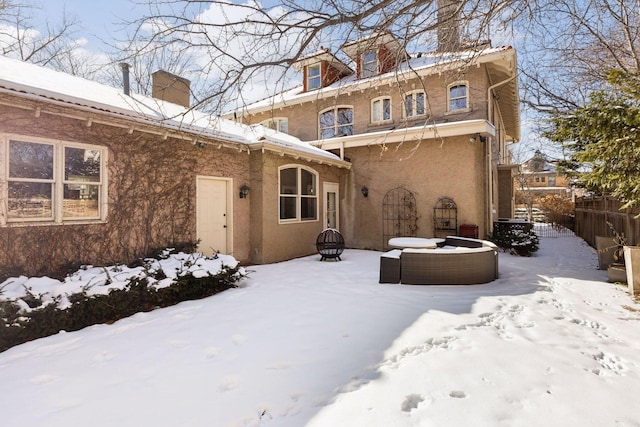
(365, 191)
(477, 137)
(244, 191)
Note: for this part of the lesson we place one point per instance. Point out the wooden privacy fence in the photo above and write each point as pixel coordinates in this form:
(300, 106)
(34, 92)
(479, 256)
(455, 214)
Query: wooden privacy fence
(593, 213)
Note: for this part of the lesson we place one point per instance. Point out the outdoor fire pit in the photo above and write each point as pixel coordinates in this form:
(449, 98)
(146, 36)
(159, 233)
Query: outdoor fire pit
(330, 244)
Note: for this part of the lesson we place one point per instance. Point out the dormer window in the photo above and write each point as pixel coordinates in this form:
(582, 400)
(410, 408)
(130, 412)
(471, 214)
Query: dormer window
(313, 77)
(369, 64)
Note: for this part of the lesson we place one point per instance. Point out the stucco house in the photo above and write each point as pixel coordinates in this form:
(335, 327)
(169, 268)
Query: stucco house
(91, 174)
(426, 134)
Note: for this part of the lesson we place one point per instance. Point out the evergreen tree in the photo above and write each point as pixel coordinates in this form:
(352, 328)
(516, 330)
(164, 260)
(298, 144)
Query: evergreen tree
(604, 139)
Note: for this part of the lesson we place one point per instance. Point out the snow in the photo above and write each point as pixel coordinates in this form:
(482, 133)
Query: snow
(310, 343)
(100, 280)
(36, 82)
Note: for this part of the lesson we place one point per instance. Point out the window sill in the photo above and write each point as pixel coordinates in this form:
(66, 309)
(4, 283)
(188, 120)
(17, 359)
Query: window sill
(296, 221)
(460, 111)
(36, 223)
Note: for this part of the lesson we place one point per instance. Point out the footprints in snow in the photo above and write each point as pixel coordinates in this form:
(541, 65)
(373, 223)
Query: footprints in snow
(412, 401)
(429, 345)
(609, 363)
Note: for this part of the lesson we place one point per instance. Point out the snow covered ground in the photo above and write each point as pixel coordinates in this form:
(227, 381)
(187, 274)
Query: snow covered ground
(309, 343)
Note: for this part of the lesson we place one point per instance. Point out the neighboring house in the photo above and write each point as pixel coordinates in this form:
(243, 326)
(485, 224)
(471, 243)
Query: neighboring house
(90, 174)
(539, 177)
(425, 133)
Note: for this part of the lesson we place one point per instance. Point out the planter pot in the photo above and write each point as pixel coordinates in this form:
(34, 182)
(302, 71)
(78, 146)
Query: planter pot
(617, 273)
(606, 247)
(632, 262)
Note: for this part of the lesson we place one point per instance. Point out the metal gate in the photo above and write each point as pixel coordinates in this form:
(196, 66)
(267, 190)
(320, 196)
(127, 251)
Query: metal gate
(445, 217)
(399, 215)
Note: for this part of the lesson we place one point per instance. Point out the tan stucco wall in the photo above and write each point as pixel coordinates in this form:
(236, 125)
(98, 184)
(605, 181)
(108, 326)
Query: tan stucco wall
(151, 194)
(272, 241)
(303, 119)
(430, 169)
(506, 203)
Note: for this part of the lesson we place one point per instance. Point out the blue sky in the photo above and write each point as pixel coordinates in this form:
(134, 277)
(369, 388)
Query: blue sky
(97, 18)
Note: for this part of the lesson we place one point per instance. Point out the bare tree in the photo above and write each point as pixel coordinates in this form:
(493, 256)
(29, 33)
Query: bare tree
(53, 45)
(235, 48)
(569, 46)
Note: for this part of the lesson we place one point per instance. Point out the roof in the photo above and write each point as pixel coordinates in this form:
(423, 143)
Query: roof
(501, 63)
(363, 44)
(319, 56)
(95, 100)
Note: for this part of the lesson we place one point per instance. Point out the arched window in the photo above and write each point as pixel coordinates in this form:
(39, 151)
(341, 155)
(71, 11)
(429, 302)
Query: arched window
(336, 121)
(458, 96)
(414, 104)
(381, 109)
(298, 194)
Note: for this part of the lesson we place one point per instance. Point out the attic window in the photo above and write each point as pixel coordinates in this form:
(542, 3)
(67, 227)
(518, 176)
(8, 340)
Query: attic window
(313, 77)
(369, 64)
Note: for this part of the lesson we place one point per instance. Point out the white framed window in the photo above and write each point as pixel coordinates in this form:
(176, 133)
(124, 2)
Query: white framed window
(381, 110)
(458, 96)
(298, 194)
(337, 121)
(280, 124)
(414, 104)
(313, 77)
(369, 64)
(53, 181)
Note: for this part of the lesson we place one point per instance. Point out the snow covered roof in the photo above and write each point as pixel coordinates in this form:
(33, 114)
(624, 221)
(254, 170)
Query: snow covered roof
(42, 84)
(501, 64)
(420, 63)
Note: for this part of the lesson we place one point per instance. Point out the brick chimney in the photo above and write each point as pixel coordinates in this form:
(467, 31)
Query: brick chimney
(449, 25)
(171, 88)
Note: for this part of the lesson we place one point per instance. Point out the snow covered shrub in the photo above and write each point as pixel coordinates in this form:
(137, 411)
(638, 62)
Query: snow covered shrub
(32, 308)
(521, 241)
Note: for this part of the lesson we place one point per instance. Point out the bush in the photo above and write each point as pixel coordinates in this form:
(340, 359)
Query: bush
(19, 324)
(559, 211)
(521, 241)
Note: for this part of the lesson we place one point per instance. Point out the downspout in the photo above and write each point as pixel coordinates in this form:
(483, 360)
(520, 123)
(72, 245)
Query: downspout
(489, 218)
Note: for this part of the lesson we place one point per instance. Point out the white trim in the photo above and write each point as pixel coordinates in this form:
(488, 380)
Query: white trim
(330, 187)
(318, 77)
(381, 100)
(230, 208)
(298, 195)
(58, 182)
(414, 104)
(466, 97)
(416, 133)
(277, 121)
(336, 125)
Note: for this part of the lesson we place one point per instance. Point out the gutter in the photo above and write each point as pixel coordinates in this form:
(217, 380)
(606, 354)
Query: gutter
(489, 177)
(166, 129)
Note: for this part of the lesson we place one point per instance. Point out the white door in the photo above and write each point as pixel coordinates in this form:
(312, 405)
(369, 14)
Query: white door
(331, 205)
(213, 218)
